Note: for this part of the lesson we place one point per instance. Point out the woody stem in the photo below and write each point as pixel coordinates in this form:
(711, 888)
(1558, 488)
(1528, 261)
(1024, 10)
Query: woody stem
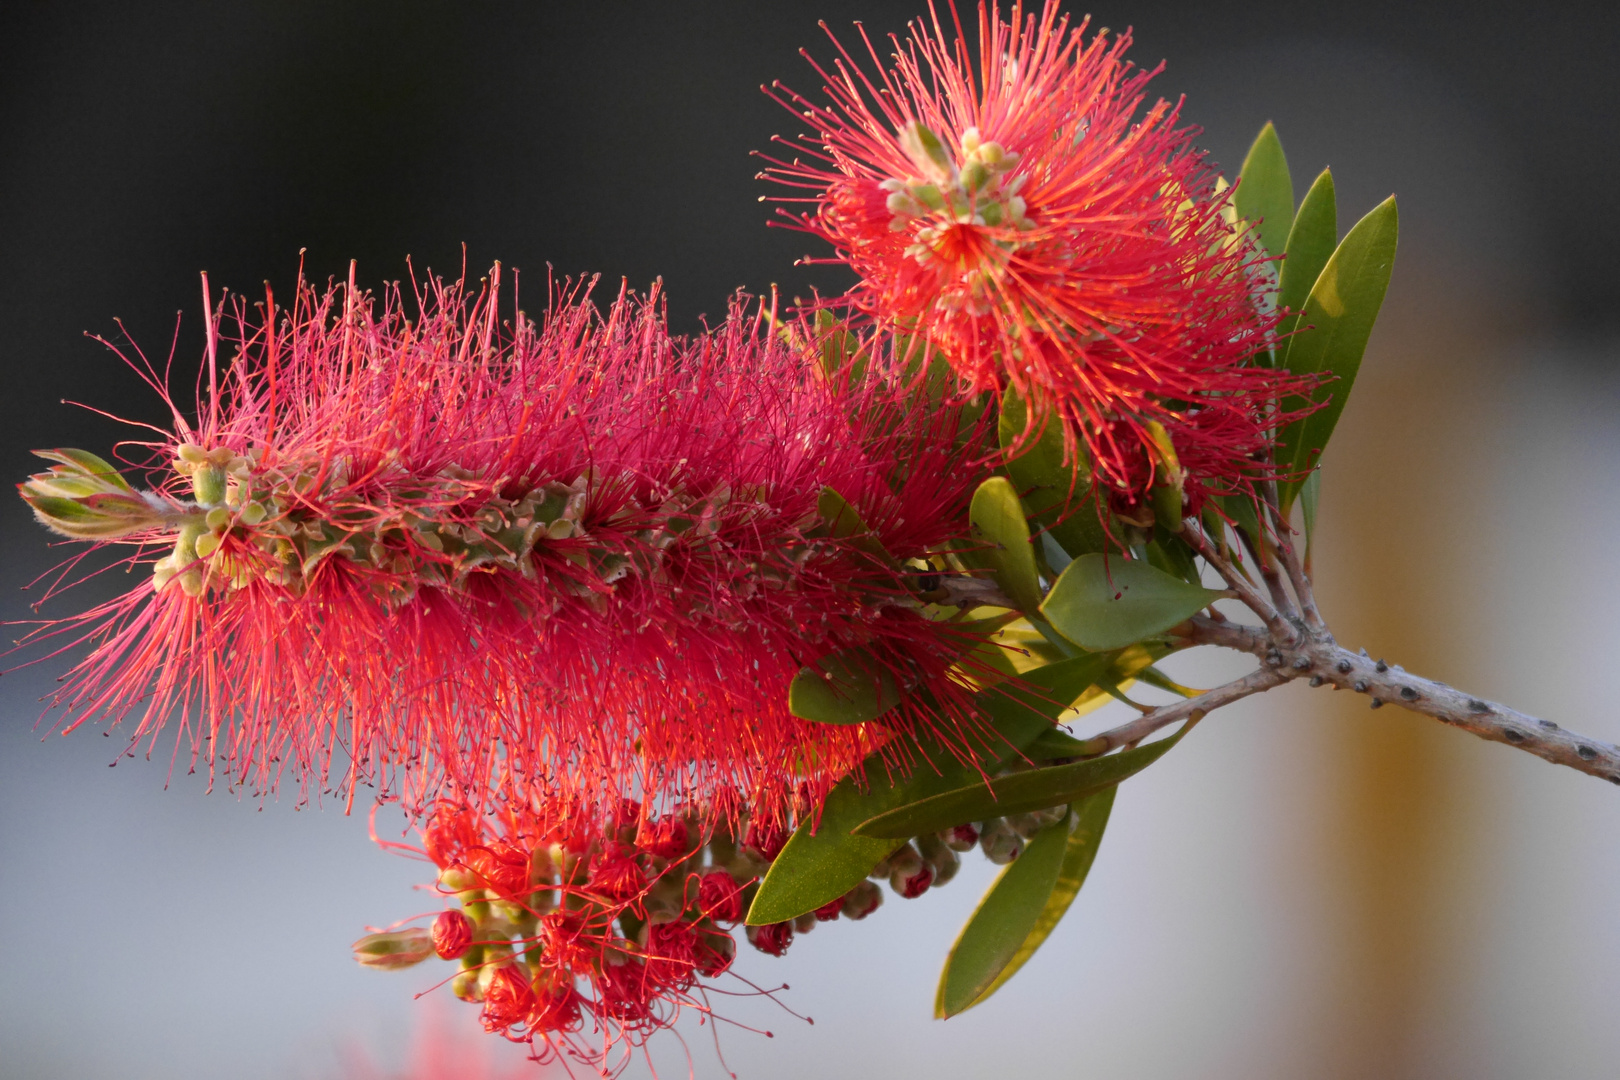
(1316, 657)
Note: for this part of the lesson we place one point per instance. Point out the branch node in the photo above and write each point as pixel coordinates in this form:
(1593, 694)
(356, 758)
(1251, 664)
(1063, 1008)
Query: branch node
(1344, 667)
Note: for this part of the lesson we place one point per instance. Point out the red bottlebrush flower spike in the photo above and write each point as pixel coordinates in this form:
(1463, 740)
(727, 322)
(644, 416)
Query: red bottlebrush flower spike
(585, 553)
(1014, 209)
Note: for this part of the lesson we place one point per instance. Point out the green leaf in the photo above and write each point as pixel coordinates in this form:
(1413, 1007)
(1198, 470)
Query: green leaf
(851, 688)
(1057, 744)
(1059, 496)
(1265, 191)
(1171, 554)
(1310, 244)
(1309, 493)
(1017, 793)
(1023, 907)
(1100, 603)
(844, 523)
(1339, 314)
(1002, 922)
(998, 522)
(822, 863)
(840, 350)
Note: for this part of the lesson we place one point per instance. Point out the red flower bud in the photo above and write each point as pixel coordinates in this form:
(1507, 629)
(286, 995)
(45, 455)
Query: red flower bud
(666, 839)
(862, 900)
(961, 837)
(913, 884)
(618, 876)
(508, 1000)
(767, 839)
(715, 952)
(719, 898)
(556, 1008)
(452, 934)
(773, 939)
(829, 911)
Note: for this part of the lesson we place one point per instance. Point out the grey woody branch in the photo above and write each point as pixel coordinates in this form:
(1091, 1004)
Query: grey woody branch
(1321, 661)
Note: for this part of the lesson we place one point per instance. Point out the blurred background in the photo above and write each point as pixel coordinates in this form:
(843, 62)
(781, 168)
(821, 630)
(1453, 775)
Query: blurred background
(1304, 889)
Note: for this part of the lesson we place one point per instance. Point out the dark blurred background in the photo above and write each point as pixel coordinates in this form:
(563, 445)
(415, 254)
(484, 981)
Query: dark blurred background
(1344, 897)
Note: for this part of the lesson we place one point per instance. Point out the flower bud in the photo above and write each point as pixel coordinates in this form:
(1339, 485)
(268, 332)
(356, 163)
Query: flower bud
(913, 884)
(773, 939)
(803, 924)
(1025, 825)
(85, 498)
(718, 896)
(465, 986)
(961, 837)
(715, 952)
(392, 950)
(452, 934)
(829, 911)
(667, 839)
(1001, 845)
(765, 839)
(508, 998)
(862, 900)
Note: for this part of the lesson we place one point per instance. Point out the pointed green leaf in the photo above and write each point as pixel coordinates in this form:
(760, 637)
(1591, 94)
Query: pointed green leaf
(1059, 496)
(1309, 493)
(1310, 243)
(998, 523)
(1022, 908)
(840, 351)
(1002, 921)
(1265, 191)
(1339, 316)
(844, 522)
(89, 463)
(850, 688)
(1017, 793)
(1057, 744)
(1100, 603)
(1171, 554)
(822, 863)
(70, 511)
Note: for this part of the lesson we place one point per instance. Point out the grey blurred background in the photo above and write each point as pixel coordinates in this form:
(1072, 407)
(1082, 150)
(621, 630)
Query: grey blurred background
(1304, 889)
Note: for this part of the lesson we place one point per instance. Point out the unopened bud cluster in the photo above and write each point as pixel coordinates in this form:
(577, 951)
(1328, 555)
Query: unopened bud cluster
(552, 926)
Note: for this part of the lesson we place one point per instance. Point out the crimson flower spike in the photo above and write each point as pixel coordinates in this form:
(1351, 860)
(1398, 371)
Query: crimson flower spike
(1011, 207)
(583, 556)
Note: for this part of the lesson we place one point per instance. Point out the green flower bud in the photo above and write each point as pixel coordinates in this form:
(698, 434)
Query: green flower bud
(393, 950)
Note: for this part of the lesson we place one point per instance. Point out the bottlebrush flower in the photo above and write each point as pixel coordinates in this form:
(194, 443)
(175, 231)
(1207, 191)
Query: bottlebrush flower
(1014, 209)
(583, 556)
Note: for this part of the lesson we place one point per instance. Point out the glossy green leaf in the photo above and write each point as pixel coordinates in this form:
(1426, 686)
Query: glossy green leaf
(1002, 922)
(1338, 318)
(822, 863)
(1057, 744)
(850, 687)
(1017, 793)
(1309, 493)
(1265, 191)
(998, 524)
(1086, 826)
(1171, 554)
(840, 350)
(1310, 244)
(1108, 603)
(1058, 496)
(844, 522)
